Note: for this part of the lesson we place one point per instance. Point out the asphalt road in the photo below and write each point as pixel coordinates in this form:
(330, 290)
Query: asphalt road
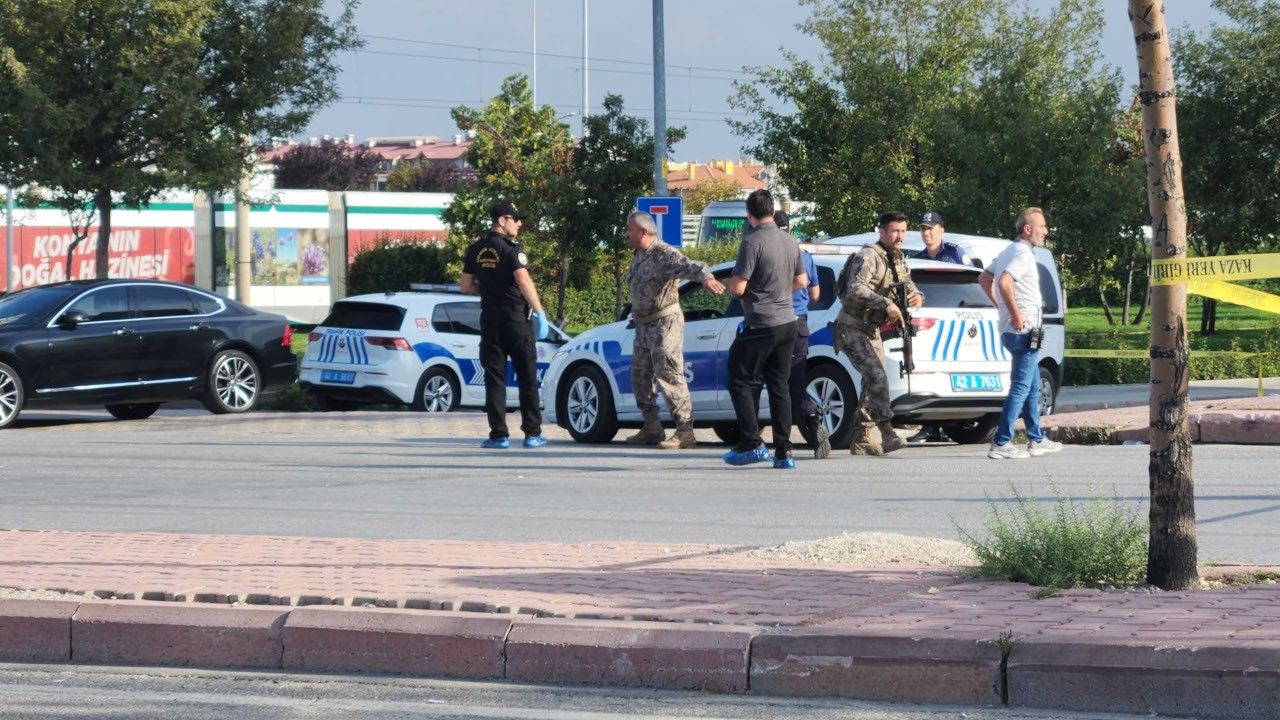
(65, 692)
(365, 475)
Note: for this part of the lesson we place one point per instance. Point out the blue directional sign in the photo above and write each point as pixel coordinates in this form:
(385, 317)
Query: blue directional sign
(668, 214)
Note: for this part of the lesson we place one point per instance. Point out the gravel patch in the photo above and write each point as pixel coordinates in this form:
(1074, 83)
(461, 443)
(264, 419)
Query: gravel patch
(871, 548)
(16, 594)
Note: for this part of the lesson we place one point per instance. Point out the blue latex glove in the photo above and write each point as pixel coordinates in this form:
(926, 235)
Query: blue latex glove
(541, 328)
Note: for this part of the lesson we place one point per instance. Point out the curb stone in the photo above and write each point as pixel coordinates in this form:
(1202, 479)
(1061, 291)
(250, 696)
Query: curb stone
(1228, 681)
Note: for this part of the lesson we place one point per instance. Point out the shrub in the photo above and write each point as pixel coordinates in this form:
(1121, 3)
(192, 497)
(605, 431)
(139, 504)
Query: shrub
(1107, 371)
(389, 267)
(1103, 542)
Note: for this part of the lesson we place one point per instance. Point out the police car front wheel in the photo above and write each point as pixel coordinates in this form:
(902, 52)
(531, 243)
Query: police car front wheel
(586, 402)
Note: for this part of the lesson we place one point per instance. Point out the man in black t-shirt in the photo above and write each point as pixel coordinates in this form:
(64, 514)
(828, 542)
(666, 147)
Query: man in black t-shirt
(496, 269)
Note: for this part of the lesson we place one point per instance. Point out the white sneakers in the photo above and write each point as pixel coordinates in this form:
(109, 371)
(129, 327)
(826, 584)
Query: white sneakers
(1009, 451)
(1043, 447)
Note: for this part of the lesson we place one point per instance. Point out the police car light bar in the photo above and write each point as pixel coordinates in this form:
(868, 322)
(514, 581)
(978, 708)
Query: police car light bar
(435, 287)
(825, 249)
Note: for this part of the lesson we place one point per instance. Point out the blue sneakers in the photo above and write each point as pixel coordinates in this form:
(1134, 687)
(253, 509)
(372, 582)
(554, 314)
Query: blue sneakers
(786, 463)
(746, 457)
(498, 444)
(535, 441)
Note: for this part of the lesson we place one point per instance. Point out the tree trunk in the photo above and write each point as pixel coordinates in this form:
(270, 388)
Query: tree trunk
(564, 282)
(1208, 316)
(1106, 307)
(1146, 300)
(103, 202)
(1171, 558)
(1128, 291)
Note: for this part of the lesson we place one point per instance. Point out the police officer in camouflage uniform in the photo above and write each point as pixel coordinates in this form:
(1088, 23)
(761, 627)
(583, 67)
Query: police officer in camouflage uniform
(865, 287)
(658, 350)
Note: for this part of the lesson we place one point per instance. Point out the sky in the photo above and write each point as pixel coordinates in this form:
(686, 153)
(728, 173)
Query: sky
(424, 57)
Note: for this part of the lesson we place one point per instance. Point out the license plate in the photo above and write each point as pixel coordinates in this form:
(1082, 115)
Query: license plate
(337, 376)
(972, 383)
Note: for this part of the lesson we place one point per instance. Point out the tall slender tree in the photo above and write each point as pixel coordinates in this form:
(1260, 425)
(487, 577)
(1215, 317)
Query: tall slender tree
(1171, 559)
(518, 153)
(612, 166)
(119, 100)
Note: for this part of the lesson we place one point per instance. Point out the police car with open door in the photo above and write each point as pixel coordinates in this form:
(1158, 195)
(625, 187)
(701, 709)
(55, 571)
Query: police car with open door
(419, 348)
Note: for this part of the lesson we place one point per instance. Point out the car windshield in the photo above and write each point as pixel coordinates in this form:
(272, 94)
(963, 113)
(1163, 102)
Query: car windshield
(365, 316)
(950, 289)
(33, 303)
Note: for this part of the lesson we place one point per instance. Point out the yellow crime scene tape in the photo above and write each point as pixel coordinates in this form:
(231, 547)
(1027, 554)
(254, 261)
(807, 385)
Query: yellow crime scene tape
(1236, 295)
(1207, 277)
(1144, 354)
(1172, 271)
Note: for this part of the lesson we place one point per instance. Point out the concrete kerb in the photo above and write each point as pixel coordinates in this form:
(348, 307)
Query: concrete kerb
(1239, 681)
(1228, 681)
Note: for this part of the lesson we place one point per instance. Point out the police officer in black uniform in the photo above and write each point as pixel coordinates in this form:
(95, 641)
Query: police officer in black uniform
(496, 269)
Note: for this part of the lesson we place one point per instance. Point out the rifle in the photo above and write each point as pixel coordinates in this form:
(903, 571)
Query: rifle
(898, 293)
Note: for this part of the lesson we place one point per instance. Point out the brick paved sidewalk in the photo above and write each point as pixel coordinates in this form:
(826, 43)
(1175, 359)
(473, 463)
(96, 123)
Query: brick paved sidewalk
(679, 616)
(622, 581)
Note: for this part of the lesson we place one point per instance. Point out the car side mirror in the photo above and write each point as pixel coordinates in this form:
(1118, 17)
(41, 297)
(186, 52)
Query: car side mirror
(72, 318)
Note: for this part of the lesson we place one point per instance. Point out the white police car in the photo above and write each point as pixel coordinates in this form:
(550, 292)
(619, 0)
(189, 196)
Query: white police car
(418, 348)
(982, 251)
(960, 380)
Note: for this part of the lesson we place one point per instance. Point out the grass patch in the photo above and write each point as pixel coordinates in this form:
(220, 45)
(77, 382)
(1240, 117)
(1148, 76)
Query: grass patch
(1066, 545)
(1231, 318)
(1259, 577)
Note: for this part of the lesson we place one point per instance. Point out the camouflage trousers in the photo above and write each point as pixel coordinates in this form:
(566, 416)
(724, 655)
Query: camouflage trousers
(866, 352)
(658, 362)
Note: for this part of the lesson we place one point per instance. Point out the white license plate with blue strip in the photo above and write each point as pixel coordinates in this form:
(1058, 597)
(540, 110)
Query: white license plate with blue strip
(337, 376)
(973, 382)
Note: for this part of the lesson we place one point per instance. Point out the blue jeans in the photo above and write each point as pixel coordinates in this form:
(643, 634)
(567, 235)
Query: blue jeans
(1023, 399)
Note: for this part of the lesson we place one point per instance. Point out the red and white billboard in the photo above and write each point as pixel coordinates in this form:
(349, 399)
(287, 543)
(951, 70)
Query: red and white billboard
(163, 253)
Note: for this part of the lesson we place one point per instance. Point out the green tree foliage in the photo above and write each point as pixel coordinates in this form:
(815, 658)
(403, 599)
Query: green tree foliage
(392, 266)
(1229, 131)
(967, 107)
(612, 166)
(518, 153)
(116, 100)
(334, 166)
(427, 177)
(708, 191)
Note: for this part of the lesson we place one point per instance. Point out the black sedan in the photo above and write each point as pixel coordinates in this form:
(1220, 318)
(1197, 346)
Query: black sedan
(134, 344)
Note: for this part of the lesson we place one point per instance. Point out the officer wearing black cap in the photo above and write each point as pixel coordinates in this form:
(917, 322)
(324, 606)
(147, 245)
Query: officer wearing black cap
(931, 229)
(496, 269)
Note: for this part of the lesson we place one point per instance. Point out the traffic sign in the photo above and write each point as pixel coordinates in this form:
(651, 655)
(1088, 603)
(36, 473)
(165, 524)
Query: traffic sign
(668, 214)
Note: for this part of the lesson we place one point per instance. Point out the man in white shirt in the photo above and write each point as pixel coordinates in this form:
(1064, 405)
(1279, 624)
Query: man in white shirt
(1015, 275)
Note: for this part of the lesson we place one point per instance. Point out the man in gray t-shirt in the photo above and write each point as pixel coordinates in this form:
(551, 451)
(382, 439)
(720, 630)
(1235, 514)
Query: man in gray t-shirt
(769, 269)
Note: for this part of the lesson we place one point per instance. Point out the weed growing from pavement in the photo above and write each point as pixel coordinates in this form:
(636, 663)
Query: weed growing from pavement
(1096, 543)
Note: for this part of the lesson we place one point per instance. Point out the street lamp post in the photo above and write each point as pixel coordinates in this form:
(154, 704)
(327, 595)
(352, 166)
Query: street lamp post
(659, 101)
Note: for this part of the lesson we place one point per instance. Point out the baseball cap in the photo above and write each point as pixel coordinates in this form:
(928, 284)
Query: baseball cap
(931, 218)
(505, 207)
(781, 220)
